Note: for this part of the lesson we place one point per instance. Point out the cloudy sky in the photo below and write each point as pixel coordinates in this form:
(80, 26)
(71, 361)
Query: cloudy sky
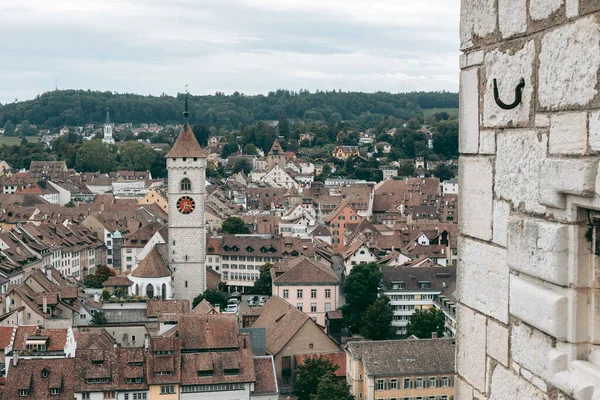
(252, 46)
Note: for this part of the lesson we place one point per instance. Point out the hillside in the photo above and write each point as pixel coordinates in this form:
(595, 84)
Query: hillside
(78, 107)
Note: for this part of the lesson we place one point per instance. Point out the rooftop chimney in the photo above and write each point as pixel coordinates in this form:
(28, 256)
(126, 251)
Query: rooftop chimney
(434, 335)
(15, 357)
(45, 304)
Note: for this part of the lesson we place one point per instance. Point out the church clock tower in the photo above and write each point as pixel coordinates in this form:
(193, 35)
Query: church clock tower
(186, 165)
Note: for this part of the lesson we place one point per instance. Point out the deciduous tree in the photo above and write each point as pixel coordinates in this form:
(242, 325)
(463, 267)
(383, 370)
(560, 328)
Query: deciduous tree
(425, 322)
(213, 296)
(309, 374)
(234, 225)
(95, 156)
(377, 322)
(263, 285)
(361, 288)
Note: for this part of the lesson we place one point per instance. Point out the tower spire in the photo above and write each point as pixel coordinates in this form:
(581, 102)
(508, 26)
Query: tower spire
(185, 110)
(107, 117)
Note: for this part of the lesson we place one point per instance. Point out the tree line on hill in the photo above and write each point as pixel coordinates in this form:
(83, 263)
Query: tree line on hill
(79, 107)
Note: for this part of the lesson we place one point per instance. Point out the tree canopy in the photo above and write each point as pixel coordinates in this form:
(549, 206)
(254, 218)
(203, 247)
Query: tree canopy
(309, 375)
(213, 296)
(96, 280)
(425, 322)
(134, 156)
(95, 156)
(234, 225)
(263, 285)
(331, 388)
(361, 288)
(377, 322)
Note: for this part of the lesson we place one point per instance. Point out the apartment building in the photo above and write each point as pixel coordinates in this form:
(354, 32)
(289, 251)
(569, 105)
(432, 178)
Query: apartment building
(417, 288)
(401, 369)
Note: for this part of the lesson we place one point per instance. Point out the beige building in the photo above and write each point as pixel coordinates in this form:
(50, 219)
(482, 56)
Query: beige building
(401, 369)
(158, 196)
(310, 286)
(290, 332)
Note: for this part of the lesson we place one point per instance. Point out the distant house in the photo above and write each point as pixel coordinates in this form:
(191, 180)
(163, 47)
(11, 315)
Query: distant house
(401, 369)
(384, 146)
(337, 220)
(290, 332)
(344, 152)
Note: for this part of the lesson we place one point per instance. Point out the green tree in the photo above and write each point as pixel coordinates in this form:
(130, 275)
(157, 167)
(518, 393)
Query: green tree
(377, 322)
(136, 157)
(229, 149)
(9, 128)
(202, 133)
(99, 318)
(242, 165)
(96, 280)
(283, 126)
(331, 388)
(425, 322)
(70, 204)
(213, 296)
(443, 172)
(250, 149)
(361, 287)
(234, 225)
(263, 285)
(27, 129)
(406, 168)
(309, 374)
(95, 156)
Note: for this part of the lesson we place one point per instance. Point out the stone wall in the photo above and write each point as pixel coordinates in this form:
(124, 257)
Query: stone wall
(529, 279)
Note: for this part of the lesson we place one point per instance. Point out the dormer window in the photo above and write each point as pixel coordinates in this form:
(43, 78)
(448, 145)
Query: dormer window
(206, 373)
(44, 373)
(232, 371)
(249, 249)
(23, 392)
(186, 184)
(54, 391)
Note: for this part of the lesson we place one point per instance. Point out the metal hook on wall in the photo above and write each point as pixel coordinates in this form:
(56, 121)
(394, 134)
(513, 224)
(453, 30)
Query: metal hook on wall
(518, 92)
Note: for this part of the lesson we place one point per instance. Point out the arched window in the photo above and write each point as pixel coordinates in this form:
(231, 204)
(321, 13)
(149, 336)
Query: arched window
(149, 291)
(186, 184)
(163, 291)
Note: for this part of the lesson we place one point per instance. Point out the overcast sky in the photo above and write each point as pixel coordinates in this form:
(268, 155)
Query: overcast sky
(252, 46)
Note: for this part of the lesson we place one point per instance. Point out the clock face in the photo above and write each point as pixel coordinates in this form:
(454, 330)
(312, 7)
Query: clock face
(186, 205)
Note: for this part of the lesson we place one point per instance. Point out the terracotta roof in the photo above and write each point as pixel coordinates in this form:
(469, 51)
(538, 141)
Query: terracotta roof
(69, 292)
(186, 145)
(156, 307)
(337, 358)
(266, 381)
(57, 338)
(27, 374)
(405, 357)
(276, 148)
(164, 356)
(204, 307)
(5, 336)
(208, 332)
(304, 270)
(334, 315)
(117, 281)
(281, 321)
(94, 340)
(152, 266)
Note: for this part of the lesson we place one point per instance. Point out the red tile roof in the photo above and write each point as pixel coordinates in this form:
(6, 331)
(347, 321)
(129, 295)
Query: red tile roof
(186, 145)
(152, 266)
(266, 381)
(27, 374)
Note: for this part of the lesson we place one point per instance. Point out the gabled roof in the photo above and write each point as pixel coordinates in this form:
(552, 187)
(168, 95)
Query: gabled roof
(321, 230)
(276, 148)
(266, 379)
(208, 332)
(204, 307)
(307, 271)
(152, 266)
(281, 321)
(186, 145)
(155, 307)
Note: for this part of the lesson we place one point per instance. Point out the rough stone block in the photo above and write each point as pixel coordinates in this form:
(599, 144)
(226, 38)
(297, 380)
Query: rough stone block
(568, 133)
(542, 120)
(512, 16)
(519, 157)
(508, 68)
(594, 136)
(506, 385)
(572, 8)
(471, 59)
(469, 111)
(470, 351)
(542, 9)
(566, 176)
(539, 248)
(483, 278)
(462, 390)
(568, 64)
(475, 205)
(487, 142)
(477, 20)
(497, 342)
(500, 227)
(523, 340)
(539, 306)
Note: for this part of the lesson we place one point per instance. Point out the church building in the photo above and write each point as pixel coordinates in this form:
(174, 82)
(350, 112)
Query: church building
(108, 130)
(186, 165)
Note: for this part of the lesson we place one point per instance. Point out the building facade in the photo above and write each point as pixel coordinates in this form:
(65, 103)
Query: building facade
(528, 269)
(186, 165)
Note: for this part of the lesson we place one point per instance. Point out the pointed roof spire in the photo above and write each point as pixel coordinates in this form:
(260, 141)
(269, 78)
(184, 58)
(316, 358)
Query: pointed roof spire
(107, 117)
(186, 144)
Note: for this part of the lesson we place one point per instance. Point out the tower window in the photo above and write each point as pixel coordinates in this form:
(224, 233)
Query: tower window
(186, 184)
(195, 158)
(184, 158)
(185, 283)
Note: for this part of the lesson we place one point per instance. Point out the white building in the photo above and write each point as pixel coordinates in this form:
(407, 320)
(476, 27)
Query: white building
(450, 187)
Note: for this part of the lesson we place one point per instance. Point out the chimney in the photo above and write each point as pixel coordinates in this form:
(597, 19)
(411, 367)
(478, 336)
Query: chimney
(218, 308)
(146, 341)
(45, 304)
(434, 335)
(15, 357)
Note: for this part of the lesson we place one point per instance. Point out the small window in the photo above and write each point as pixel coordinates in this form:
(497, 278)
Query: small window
(54, 391)
(23, 392)
(299, 293)
(286, 293)
(186, 184)
(313, 293)
(432, 382)
(44, 373)
(313, 307)
(380, 384)
(299, 306)
(393, 384)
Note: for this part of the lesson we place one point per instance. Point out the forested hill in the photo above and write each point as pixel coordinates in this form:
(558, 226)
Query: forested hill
(79, 107)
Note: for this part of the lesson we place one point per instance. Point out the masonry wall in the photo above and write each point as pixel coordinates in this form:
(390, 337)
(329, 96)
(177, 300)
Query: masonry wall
(529, 312)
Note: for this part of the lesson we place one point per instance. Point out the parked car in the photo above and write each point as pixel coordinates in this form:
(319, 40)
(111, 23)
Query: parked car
(231, 308)
(233, 301)
(261, 302)
(251, 302)
(236, 295)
